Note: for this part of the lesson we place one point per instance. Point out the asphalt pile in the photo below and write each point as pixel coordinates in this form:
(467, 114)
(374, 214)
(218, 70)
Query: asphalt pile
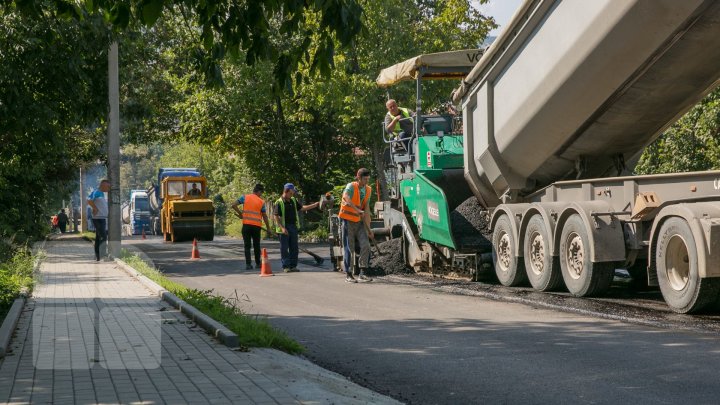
(469, 223)
(390, 260)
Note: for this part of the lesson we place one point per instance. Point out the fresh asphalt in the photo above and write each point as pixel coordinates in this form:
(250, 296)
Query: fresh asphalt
(445, 343)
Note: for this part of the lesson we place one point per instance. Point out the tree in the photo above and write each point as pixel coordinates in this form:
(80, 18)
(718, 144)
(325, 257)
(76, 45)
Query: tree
(52, 96)
(690, 144)
(225, 27)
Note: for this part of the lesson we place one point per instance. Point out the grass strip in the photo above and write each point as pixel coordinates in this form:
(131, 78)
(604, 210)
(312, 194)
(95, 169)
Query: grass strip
(252, 331)
(16, 275)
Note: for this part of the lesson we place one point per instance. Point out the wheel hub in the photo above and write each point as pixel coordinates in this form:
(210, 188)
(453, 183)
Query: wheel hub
(503, 252)
(537, 253)
(677, 263)
(575, 258)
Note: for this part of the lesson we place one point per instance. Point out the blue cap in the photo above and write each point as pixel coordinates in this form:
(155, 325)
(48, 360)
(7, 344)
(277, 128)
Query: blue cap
(289, 186)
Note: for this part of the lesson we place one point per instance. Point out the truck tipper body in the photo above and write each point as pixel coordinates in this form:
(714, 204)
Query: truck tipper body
(555, 116)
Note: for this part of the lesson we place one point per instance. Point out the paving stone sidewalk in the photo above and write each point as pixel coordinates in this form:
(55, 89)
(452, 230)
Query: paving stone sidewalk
(92, 334)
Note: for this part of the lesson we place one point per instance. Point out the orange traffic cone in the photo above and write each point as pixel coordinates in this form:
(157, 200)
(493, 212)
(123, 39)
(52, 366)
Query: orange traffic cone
(195, 251)
(143, 234)
(265, 270)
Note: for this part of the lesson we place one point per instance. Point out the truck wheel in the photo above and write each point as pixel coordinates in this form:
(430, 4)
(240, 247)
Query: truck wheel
(509, 270)
(543, 270)
(583, 278)
(677, 269)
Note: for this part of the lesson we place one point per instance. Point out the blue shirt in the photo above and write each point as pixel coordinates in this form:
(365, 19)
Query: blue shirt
(98, 197)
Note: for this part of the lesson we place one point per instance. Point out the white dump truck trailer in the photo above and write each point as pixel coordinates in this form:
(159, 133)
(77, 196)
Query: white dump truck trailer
(555, 115)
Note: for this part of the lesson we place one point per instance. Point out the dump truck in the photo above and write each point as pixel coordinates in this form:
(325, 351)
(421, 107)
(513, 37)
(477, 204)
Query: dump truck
(554, 118)
(136, 214)
(179, 207)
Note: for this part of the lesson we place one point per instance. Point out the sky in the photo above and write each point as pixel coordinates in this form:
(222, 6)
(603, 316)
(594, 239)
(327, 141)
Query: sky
(501, 10)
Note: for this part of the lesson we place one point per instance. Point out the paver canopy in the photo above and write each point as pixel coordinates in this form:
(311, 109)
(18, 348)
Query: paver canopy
(441, 65)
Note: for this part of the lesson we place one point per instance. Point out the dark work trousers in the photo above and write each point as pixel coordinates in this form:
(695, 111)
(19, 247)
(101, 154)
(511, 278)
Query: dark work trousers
(289, 247)
(100, 235)
(62, 226)
(251, 235)
(406, 137)
(355, 238)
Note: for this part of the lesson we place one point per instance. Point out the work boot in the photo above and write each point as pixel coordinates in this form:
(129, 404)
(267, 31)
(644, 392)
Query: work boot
(293, 270)
(248, 266)
(286, 269)
(363, 277)
(350, 278)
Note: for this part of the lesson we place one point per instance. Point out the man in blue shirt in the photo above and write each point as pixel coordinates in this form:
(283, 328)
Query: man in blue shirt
(99, 205)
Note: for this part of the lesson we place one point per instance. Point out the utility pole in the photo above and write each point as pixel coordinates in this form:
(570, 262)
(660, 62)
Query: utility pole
(83, 204)
(113, 142)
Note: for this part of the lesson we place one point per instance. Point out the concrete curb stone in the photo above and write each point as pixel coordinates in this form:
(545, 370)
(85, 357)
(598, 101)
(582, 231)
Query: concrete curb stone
(213, 327)
(13, 316)
(9, 324)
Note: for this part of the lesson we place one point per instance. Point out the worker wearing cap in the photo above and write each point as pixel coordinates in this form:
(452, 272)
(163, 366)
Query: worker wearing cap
(356, 225)
(252, 214)
(287, 208)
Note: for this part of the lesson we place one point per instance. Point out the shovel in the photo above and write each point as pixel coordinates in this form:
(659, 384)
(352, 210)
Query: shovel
(318, 260)
(372, 240)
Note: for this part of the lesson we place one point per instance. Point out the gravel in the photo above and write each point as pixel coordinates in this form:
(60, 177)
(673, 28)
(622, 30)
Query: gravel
(469, 222)
(390, 260)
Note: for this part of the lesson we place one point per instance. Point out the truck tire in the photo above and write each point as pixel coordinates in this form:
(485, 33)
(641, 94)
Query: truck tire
(509, 270)
(677, 269)
(543, 269)
(583, 278)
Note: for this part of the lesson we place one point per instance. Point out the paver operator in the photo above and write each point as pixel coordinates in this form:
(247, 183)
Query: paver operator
(399, 123)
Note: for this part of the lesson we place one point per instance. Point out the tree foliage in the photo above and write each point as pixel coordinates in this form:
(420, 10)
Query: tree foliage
(329, 124)
(52, 96)
(256, 29)
(691, 144)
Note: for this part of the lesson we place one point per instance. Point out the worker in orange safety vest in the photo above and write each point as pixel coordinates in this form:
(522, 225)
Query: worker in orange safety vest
(252, 214)
(355, 218)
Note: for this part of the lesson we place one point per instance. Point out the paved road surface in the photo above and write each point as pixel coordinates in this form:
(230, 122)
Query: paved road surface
(428, 347)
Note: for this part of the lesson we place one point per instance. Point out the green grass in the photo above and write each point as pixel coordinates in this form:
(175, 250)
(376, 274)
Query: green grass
(252, 331)
(87, 235)
(16, 275)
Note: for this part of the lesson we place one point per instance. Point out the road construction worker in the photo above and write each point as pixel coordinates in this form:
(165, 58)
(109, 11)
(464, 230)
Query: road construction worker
(99, 205)
(399, 123)
(253, 215)
(194, 191)
(286, 210)
(355, 218)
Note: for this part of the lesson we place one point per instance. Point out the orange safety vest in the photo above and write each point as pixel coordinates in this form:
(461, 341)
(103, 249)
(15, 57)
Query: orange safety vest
(347, 211)
(252, 210)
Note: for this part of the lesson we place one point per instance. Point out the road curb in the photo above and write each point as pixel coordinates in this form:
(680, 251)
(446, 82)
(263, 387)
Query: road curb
(13, 316)
(9, 324)
(213, 327)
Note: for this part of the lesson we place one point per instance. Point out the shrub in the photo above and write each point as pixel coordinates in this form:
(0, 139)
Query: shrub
(16, 274)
